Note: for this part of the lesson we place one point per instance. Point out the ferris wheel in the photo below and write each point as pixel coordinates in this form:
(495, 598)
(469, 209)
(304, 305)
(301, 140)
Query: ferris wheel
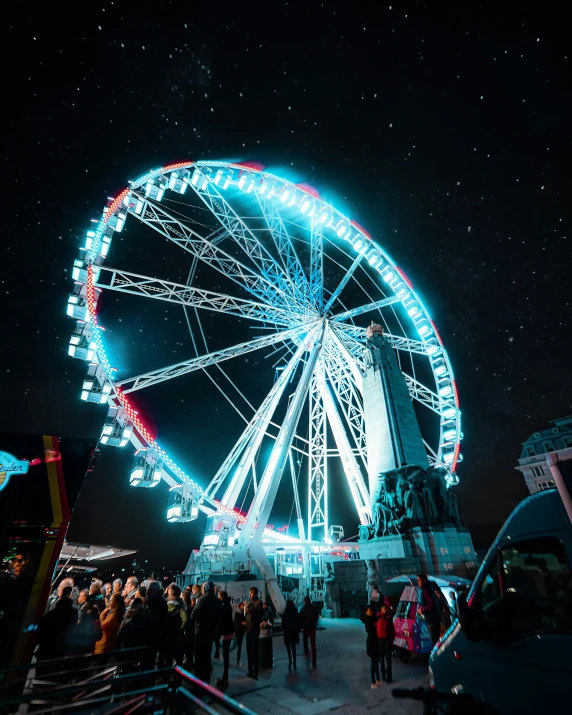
(304, 282)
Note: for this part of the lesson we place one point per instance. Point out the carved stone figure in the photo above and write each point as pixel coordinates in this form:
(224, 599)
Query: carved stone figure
(414, 512)
(452, 508)
(429, 506)
(383, 516)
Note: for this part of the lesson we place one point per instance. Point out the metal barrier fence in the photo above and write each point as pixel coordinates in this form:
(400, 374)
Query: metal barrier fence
(105, 688)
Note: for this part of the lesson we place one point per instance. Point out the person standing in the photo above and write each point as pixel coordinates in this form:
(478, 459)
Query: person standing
(239, 630)
(429, 608)
(87, 632)
(130, 590)
(226, 635)
(372, 645)
(155, 614)
(252, 623)
(309, 615)
(386, 635)
(111, 619)
(291, 630)
(174, 640)
(55, 628)
(206, 618)
(132, 631)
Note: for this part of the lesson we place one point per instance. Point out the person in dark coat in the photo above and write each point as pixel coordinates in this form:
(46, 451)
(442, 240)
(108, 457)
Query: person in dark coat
(309, 614)
(87, 632)
(386, 636)
(226, 632)
(55, 628)
(155, 614)
(429, 607)
(174, 638)
(291, 630)
(252, 621)
(132, 631)
(206, 617)
(239, 630)
(372, 645)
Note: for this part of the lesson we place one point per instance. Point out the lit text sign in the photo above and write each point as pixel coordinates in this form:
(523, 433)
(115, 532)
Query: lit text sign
(10, 465)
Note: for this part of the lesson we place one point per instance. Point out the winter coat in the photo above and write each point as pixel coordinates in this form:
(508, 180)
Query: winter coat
(110, 623)
(291, 623)
(429, 605)
(206, 616)
(85, 635)
(384, 624)
(372, 641)
(253, 614)
(132, 631)
(309, 615)
(239, 628)
(226, 620)
(155, 613)
(54, 630)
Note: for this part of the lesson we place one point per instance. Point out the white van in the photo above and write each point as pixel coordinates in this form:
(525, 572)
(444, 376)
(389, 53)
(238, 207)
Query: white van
(512, 645)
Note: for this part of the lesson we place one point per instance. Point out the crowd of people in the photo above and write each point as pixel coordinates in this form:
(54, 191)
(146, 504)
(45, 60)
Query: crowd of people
(170, 626)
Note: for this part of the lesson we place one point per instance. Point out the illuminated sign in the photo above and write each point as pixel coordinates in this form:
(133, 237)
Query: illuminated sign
(10, 465)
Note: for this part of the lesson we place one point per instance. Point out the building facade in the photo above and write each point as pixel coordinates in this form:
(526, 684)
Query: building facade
(532, 462)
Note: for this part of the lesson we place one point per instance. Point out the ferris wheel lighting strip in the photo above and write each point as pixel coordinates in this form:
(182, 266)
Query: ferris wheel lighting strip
(308, 201)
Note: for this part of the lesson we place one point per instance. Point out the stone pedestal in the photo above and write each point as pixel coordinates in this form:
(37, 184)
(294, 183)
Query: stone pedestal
(444, 550)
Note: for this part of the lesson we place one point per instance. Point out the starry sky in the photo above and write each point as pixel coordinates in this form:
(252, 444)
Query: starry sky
(445, 131)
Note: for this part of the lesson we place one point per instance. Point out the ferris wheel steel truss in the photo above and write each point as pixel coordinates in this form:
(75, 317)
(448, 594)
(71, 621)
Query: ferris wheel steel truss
(318, 332)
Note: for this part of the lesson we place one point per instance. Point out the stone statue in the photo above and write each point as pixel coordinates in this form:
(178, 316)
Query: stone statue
(429, 506)
(452, 508)
(414, 512)
(383, 517)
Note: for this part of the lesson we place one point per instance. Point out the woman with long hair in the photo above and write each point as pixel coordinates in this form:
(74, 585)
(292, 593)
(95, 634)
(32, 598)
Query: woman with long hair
(111, 619)
(291, 628)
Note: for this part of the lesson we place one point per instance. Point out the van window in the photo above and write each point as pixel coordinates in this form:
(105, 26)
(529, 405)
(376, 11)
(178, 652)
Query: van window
(537, 587)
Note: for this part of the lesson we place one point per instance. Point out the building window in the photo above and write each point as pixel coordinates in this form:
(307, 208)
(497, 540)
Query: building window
(567, 441)
(538, 471)
(543, 486)
(548, 447)
(531, 451)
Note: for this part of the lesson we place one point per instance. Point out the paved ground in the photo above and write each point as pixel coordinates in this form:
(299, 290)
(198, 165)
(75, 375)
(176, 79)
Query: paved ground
(340, 683)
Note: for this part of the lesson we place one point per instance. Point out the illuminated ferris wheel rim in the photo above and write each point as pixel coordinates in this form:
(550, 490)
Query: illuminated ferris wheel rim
(345, 229)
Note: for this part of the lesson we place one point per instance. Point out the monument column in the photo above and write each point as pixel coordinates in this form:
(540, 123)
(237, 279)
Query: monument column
(392, 432)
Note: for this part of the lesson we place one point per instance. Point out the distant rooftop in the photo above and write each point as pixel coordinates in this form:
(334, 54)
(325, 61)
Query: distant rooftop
(558, 436)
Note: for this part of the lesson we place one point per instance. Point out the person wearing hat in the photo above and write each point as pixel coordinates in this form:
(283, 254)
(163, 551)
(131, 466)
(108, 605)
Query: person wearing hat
(206, 619)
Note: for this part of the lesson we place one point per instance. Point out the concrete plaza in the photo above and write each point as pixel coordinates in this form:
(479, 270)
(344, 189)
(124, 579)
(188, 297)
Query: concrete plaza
(340, 683)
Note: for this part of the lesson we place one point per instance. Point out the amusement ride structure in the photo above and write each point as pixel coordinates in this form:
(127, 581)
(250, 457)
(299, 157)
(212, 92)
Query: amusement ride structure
(307, 281)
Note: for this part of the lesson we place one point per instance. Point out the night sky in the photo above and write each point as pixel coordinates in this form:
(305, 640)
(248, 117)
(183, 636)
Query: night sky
(445, 132)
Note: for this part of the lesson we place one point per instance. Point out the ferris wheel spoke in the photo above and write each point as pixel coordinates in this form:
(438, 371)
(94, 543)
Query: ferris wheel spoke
(251, 438)
(347, 392)
(422, 394)
(261, 506)
(343, 283)
(356, 483)
(284, 246)
(183, 368)
(158, 289)
(316, 263)
(208, 251)
(242, 235)
(367, 308)
(397, 341)
(317, 456)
